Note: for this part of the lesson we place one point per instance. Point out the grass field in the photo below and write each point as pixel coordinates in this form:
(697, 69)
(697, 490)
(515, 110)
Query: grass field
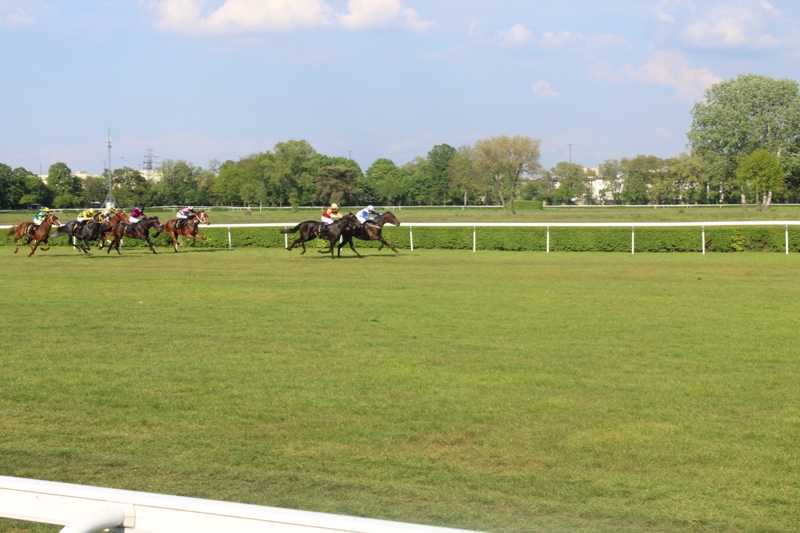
(498, 391)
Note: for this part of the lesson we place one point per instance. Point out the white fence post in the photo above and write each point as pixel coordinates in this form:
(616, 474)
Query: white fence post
(285, 240)
(787, 239)
(704, 240)
(548, 239)
(474, 238)
(411, 238)
(230, 242)
(633, 240)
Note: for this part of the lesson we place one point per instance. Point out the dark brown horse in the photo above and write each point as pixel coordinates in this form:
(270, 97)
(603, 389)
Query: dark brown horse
(311, 229)
(139, 230)
(40, 235)
(189, 228)
(112, 221)
(369, 231)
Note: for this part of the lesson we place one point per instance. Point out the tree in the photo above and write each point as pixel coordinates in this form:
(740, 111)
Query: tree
(742, 115)
(761, 171)
(638, 175)
(131, 187)
(572, 183)
(383, 181)
(611, 173)
(505, 160)
(439, 158)
(462, 174)
(336, 182)
(290, 173)
(12, 186)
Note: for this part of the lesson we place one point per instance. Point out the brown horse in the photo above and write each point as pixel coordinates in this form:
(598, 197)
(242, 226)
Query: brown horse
(311, 229)
(139, 230)
(112, 221)
(369, 231)
(188, 229)
(40, 234)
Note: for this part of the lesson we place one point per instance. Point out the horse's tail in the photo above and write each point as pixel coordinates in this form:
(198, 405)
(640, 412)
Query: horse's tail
(286, 231)
(62, 230)
(13, 229)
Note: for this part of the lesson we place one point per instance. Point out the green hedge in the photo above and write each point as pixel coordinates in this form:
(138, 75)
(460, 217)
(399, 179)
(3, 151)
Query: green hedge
(758, 239)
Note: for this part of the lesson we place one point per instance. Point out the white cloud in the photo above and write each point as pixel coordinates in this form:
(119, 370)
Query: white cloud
(363, 14)
(720, 24)
(543, 89)
(667, 68)
(517, 35)
(17, 17)
(557, 41)
(772, 11)
(664, 133)
(274, 15)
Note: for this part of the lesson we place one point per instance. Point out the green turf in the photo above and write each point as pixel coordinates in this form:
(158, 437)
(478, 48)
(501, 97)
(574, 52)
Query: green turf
(497, 391)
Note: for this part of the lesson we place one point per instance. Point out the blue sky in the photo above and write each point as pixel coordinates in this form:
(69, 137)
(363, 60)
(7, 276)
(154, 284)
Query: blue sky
(220, 79)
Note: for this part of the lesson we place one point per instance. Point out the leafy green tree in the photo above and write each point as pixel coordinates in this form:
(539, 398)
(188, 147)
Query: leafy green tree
(740, 116)
(761, 172)
(612, 174)
(336, 182)
(505, 160)
(62, 181)
(180, 184)
(463, 175)
(130, 187)
(383, 181)
(94, 190)
(290, 172)
(439, 158)
(253, 192)
(12, 186)
(638, 174)
(573, 185)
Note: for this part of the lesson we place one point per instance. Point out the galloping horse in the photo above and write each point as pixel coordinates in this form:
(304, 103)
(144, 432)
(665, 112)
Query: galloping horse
(311, 229)
(80, 237)
(369, 231)
(140, 230)
(40, 234)
(112, 221)
(189, 228)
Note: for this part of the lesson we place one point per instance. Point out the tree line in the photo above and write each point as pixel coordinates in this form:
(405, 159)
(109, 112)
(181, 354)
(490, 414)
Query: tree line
(744, 147)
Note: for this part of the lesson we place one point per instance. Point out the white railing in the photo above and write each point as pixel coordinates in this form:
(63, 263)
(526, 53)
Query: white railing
(547, 225)
(85, 509)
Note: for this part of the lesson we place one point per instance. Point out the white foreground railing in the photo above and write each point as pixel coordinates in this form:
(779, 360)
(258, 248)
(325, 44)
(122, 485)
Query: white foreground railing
(85, 509)
(548, 225)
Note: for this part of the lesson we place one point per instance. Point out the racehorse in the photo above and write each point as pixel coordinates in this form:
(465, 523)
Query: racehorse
(370, 230)
(139, 230)
(80, 238)
(40, 234)
(311, 229)
(112, 221)
(189, 228)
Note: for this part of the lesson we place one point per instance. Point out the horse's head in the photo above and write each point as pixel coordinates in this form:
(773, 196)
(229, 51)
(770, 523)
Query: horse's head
(390, 218)
(154, 223)
(121, 216)
(53, 219)
(202, 216)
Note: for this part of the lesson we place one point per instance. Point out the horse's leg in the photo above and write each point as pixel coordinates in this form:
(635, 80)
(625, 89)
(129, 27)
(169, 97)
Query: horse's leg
(387, 244)
(47, 243)
(17, 237)
(33, 248)
(204, 240)
(149, 243)
(174, 238)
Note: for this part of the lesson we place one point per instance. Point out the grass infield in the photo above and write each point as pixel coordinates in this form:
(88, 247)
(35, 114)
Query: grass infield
(497, 391)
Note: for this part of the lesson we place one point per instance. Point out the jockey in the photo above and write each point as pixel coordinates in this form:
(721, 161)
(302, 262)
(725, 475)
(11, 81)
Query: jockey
(137, 214)
(183, 215)
(331, 214)
(38, 219)
(108, 212)
(366, 214)
(83, 217)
